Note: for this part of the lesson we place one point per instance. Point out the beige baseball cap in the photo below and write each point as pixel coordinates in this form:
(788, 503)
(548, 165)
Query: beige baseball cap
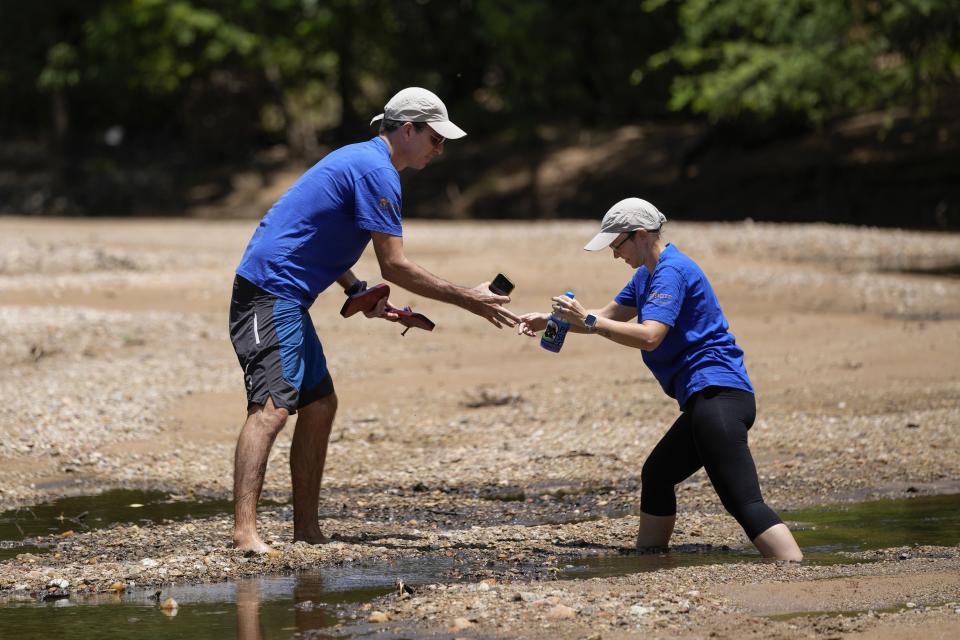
(627, 215)
(415, 104)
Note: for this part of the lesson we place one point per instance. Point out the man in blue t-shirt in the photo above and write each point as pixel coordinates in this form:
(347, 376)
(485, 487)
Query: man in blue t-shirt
(686, 343)
(308, 240)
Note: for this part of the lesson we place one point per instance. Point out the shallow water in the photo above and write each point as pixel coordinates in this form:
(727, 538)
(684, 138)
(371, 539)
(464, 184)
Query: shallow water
(821, 533)
(627, 561)
(19, 527)
(268, 607)
(278, 607)
(878, 524)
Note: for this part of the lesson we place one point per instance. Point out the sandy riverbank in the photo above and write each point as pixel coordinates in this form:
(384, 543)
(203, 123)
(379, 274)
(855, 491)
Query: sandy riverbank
(118, 372)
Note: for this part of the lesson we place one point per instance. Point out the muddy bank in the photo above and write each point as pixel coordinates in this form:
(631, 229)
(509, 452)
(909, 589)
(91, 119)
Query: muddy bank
(473, 445)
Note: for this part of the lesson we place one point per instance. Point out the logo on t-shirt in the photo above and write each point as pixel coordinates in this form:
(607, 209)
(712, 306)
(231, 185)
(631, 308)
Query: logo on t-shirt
(384, 203)
(658, 297)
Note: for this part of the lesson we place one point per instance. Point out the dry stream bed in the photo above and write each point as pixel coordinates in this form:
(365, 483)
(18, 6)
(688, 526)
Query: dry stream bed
(498, 482)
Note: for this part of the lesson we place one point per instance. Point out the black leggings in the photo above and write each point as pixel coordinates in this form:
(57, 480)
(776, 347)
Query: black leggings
(710, 433)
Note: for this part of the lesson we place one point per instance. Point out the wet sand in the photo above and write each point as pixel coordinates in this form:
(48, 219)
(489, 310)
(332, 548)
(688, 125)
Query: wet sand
(474, 443)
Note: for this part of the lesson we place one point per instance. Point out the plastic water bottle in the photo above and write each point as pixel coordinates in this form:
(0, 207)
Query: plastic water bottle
(556, 331)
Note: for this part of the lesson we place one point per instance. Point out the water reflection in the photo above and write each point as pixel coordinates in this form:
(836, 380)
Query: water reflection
(309, 594)
(303, 603)
(248, 611)
(256, 608)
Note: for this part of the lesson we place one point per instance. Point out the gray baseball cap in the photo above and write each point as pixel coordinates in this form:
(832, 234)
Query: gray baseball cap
(414, 104)
(627, 215)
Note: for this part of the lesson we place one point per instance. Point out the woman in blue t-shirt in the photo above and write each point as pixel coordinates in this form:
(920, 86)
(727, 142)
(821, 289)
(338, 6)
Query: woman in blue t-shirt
(686, 344)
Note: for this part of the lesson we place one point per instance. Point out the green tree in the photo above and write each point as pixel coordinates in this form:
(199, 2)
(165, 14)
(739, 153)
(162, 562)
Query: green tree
(809, 57)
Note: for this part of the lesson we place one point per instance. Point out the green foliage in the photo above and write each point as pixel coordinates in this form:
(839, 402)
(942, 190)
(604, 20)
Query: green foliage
(232, 72)
(312, 65)
(809, 57)
(61, 69)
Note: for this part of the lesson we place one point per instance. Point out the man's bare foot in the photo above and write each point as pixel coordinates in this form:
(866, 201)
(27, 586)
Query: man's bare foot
(311, 537)
(251, 543)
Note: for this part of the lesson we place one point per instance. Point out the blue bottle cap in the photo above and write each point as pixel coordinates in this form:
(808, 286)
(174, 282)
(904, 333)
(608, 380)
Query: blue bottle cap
(569, 294)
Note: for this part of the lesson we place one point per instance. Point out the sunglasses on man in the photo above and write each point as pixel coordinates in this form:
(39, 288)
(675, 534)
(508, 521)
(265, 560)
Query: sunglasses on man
(436, 140)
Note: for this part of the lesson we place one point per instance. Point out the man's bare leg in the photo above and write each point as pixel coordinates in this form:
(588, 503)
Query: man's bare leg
(308, 454)
(777, 542)
(655, 531)
(249, 466)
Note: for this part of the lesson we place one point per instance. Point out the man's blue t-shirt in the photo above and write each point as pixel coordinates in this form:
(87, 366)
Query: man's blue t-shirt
(319, 228)
(698, 350)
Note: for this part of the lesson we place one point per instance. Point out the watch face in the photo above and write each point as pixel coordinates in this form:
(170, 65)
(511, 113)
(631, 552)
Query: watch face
(590, 320)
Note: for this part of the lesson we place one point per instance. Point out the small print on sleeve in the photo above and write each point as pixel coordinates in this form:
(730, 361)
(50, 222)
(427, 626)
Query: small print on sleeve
(662, 298)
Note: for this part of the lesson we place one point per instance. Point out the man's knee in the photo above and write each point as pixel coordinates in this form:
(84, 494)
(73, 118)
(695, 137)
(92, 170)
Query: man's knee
(331, 402)
(270, 418)
(325, 406)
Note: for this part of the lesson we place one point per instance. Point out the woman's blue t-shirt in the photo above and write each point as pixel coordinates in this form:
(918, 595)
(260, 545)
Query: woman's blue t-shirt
(319, 228)
(698, 350)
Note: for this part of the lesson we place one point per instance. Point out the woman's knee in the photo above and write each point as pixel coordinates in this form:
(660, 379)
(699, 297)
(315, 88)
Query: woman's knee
(653, 475)
(755, 518)
(657, 496)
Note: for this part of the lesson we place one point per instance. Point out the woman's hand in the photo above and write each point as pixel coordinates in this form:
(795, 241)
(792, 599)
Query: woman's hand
(569, 309)
(531, 323)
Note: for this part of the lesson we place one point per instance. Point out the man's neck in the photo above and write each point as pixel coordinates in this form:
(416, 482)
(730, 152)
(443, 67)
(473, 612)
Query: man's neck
(395, 160)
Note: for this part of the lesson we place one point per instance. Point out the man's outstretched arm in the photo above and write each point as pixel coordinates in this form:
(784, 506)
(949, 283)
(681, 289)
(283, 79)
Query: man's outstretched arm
(396, 268)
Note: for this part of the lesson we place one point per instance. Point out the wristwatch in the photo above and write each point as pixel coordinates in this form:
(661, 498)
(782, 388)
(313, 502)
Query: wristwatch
(590, 322)
(355, 288)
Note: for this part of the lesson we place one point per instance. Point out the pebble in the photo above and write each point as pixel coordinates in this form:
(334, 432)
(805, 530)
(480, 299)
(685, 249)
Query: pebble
(378, 617)
(460, 624)
(561, 612)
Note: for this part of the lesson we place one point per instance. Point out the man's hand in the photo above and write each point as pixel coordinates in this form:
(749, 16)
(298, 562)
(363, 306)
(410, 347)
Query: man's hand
(396, 268)
(484, 287)
(531, 323)
(380, 311)
(488, 305)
